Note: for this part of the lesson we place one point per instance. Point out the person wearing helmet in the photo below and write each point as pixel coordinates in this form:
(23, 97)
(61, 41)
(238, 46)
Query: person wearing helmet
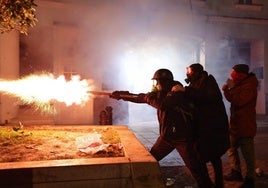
(211, 127)
(174, 124)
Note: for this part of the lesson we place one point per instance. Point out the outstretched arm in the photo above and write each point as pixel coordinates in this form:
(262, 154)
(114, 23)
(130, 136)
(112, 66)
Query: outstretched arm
(127, 96)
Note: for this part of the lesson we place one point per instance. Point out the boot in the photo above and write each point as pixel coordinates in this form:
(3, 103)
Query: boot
(248, 183)
(234, 176)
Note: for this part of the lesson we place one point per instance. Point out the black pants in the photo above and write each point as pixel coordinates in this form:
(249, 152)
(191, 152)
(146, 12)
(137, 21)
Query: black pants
(162, 148)
(217, 167)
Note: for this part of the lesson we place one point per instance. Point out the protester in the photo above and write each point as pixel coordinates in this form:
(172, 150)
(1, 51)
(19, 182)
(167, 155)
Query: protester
(241, 91)
(174, 122)
(211, 126)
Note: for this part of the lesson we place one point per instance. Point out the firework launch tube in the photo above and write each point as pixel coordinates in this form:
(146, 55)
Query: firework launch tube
(110, 93)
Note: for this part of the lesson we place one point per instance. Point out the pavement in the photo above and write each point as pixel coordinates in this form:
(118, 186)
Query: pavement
(172, 166)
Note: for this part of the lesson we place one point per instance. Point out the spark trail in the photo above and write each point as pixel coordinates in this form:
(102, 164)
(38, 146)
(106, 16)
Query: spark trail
(43, 89)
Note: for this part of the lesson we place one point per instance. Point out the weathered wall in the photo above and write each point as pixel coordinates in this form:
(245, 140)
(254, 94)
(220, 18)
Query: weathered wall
(9, 70)
(94, 38)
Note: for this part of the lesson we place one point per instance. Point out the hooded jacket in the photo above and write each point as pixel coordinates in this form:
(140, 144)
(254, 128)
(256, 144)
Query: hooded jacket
(243, 97)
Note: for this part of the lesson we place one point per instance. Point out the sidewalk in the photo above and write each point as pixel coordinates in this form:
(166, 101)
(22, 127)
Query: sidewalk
(173, 166)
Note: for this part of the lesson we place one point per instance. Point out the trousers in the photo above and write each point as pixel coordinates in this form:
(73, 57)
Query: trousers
(185, 148)
(247, 150)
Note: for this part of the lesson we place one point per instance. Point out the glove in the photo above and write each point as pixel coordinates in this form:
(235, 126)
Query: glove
(118, 94)
(177, 88)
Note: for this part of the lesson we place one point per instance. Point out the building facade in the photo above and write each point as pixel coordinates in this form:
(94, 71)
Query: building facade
(89, 38)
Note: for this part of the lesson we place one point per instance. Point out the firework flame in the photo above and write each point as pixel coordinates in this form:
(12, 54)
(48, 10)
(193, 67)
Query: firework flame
(41, 90)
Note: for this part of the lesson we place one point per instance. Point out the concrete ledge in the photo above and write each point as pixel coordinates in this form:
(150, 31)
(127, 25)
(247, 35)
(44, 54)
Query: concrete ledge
(137, 169)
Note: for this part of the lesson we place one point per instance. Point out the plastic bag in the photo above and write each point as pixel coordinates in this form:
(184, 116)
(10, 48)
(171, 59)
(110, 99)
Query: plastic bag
(90, 144)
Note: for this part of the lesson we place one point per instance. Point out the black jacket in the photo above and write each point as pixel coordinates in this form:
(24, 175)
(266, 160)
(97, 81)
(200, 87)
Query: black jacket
(211, 127)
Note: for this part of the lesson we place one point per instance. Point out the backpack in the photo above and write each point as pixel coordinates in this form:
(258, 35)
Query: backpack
(187, 112)
(182, 127)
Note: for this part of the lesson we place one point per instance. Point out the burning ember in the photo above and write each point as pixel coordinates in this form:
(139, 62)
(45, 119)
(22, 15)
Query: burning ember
(41, 90)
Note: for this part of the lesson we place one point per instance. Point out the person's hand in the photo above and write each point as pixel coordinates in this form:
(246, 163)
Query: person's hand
(118, 94)
(230, 83)
(224, 87)
(177, 88)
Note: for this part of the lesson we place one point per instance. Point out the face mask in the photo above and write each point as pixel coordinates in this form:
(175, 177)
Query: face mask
(193, 75)
(156, 86)
(189, 75)
(237, 77)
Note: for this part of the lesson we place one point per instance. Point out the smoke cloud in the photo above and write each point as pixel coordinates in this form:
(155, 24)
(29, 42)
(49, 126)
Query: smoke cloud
(119, 44)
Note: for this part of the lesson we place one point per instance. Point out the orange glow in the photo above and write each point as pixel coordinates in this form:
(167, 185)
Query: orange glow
(41, 90)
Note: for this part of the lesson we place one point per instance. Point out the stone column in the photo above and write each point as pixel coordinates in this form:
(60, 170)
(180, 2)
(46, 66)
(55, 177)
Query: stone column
(9, 69)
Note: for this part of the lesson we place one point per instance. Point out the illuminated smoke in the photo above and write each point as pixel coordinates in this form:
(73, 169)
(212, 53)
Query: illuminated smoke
(44, 89)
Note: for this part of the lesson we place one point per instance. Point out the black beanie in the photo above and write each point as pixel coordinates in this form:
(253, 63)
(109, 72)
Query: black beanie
(241, 68)
(196, 67)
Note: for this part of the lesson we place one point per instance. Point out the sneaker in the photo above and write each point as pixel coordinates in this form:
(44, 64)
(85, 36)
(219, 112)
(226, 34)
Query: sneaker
(170, 182)
(234, 176)
(248, 183)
